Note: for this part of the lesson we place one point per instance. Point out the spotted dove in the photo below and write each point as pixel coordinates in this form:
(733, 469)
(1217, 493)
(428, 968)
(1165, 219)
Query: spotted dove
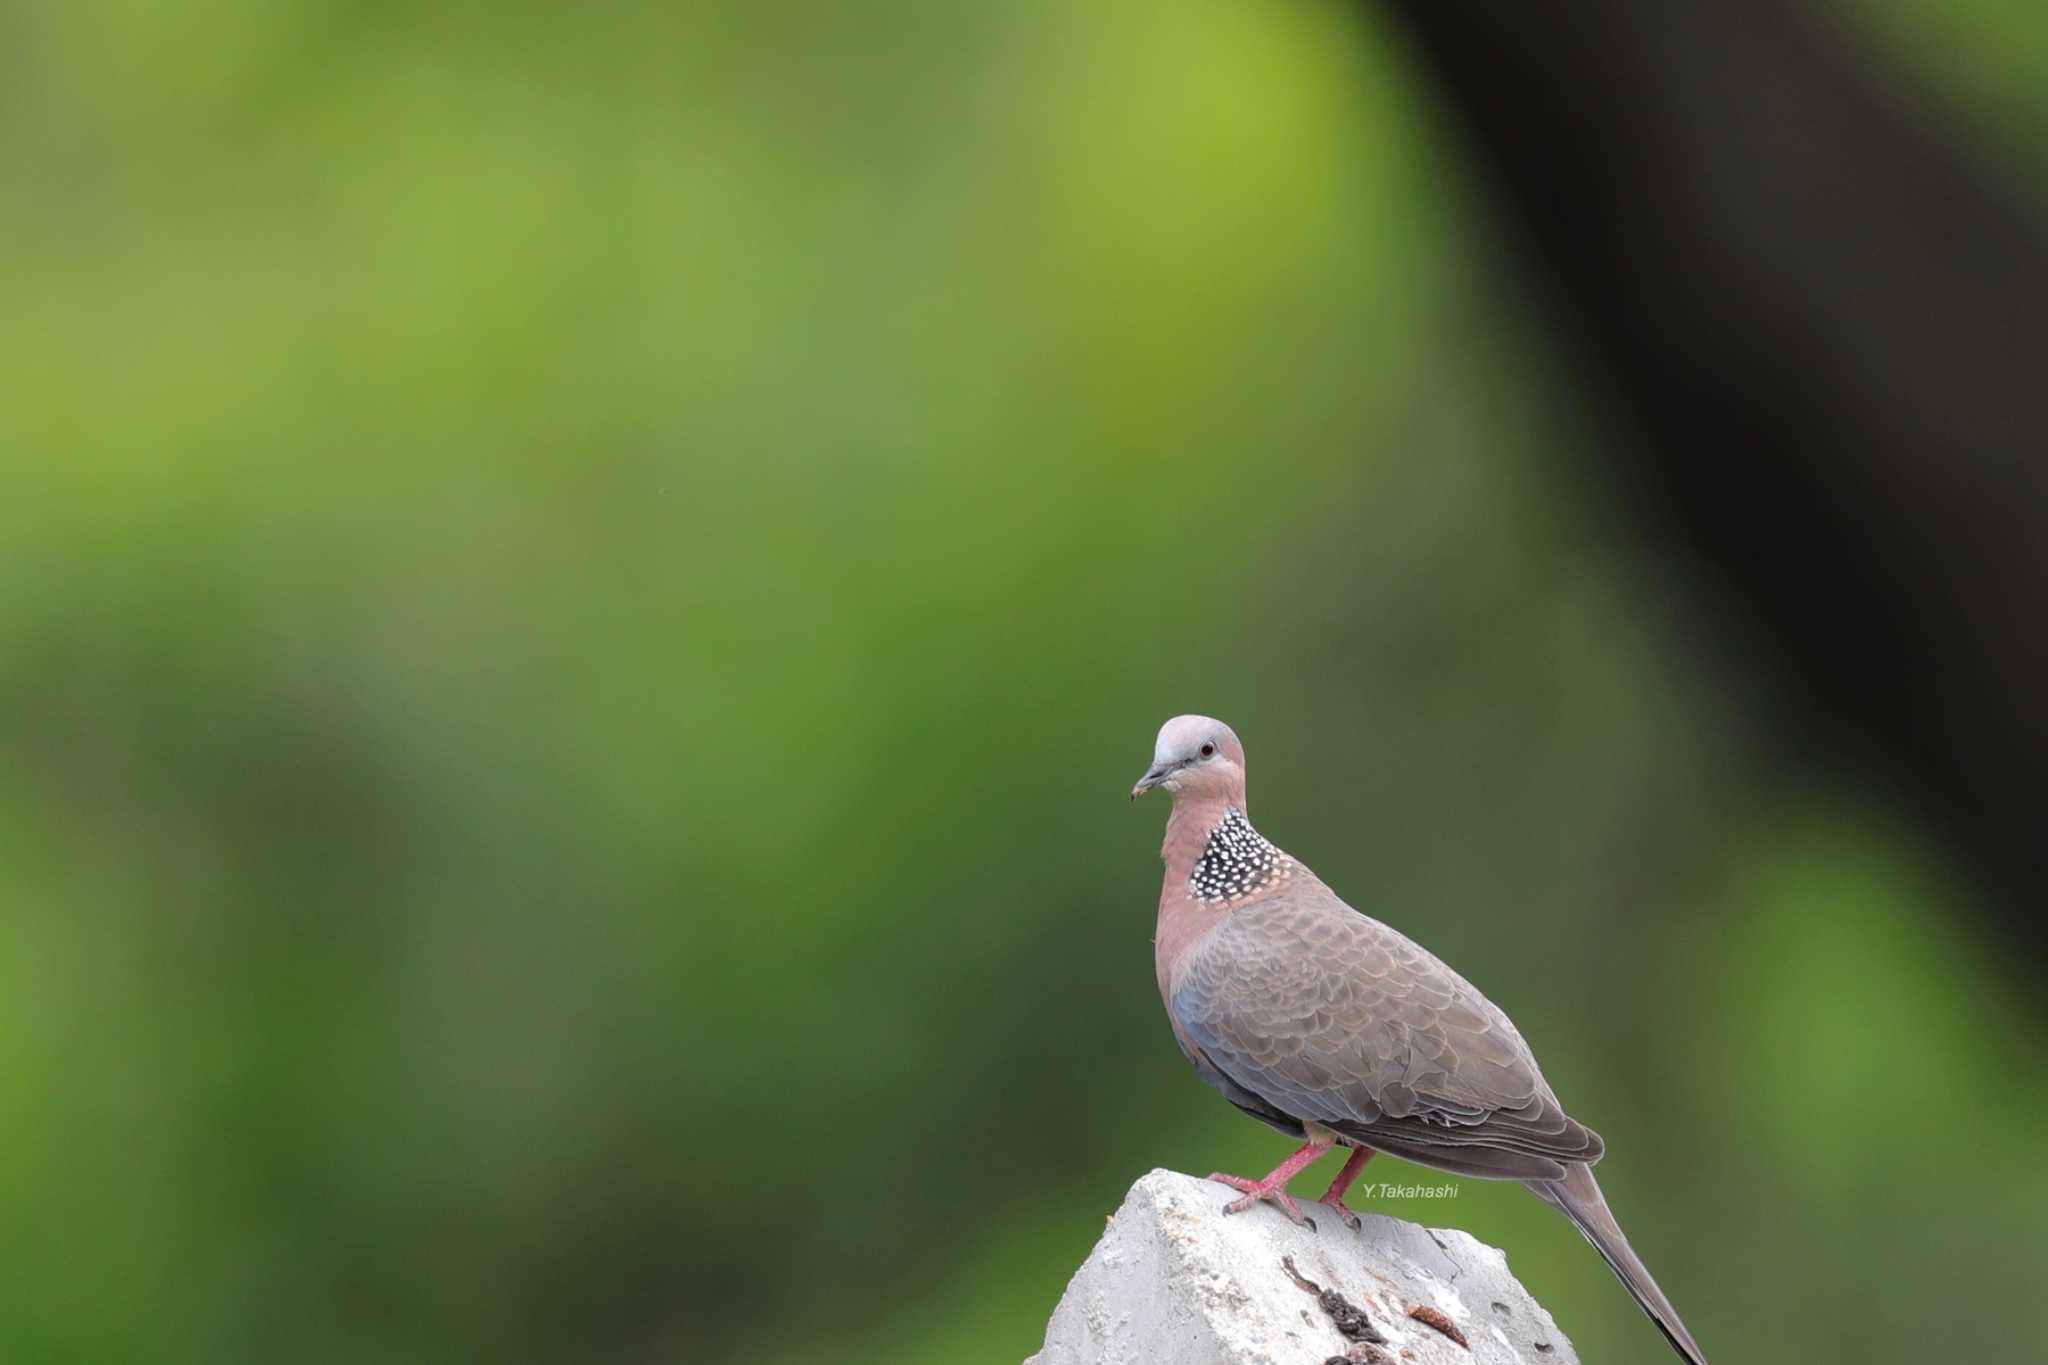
(1340, 1031)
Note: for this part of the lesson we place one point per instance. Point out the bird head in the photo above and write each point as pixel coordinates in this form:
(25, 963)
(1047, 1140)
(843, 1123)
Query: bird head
(1195, 756)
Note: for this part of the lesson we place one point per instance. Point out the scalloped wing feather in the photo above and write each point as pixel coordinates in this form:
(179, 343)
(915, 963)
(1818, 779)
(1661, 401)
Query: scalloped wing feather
(1324, 1014)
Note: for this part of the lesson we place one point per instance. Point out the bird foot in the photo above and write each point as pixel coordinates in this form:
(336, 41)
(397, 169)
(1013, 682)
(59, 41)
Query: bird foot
(1333, 1198)
(1271, 1190)
(1343, 1211)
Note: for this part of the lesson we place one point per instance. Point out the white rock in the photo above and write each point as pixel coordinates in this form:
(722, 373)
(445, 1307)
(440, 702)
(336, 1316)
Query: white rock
(1174, 1282)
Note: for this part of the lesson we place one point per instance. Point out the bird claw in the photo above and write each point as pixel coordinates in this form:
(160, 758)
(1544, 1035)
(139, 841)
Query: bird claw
(1255, 1191)
(1350, 1219)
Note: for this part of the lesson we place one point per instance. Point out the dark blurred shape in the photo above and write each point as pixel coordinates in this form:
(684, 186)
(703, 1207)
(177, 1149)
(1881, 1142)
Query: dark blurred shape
(1825, 313)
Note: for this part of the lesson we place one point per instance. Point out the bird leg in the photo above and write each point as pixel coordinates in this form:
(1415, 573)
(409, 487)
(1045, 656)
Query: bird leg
(1274, 1186)
(1334, 1196)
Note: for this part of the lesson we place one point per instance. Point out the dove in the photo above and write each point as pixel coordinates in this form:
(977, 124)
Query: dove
(1341, 1031)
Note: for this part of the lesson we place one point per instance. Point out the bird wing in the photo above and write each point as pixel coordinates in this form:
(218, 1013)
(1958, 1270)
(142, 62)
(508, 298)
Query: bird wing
(1329, 1016)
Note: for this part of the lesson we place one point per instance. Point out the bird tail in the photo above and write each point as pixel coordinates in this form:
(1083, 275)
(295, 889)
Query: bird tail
(1578, 1198)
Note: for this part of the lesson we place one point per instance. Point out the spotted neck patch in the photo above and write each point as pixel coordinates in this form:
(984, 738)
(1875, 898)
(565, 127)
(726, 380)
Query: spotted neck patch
(1235, 862)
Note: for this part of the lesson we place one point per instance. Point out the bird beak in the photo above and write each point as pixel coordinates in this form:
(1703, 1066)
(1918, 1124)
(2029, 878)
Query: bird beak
(1154, 775)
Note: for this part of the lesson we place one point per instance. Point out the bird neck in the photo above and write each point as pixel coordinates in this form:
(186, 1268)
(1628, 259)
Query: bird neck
(1236, 862)
(1214, 861)
(1188, 828)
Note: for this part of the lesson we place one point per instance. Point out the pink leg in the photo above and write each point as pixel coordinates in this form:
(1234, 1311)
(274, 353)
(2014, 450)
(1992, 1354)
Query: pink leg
(1274, 1186)
(1334, 1196)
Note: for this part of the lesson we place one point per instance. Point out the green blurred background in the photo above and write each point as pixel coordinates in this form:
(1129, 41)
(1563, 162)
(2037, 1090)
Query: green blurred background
(584, 588)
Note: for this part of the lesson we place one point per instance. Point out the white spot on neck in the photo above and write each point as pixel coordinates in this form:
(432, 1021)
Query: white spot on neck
(1235, 861)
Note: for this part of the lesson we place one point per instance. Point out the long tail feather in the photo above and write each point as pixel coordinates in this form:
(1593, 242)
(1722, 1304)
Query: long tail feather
(1578, 1198)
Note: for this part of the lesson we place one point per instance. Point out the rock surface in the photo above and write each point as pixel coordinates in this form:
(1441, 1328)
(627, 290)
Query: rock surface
(1174, 1281)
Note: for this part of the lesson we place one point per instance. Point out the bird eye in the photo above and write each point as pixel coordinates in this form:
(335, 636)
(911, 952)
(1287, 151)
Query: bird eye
(1208, 751)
